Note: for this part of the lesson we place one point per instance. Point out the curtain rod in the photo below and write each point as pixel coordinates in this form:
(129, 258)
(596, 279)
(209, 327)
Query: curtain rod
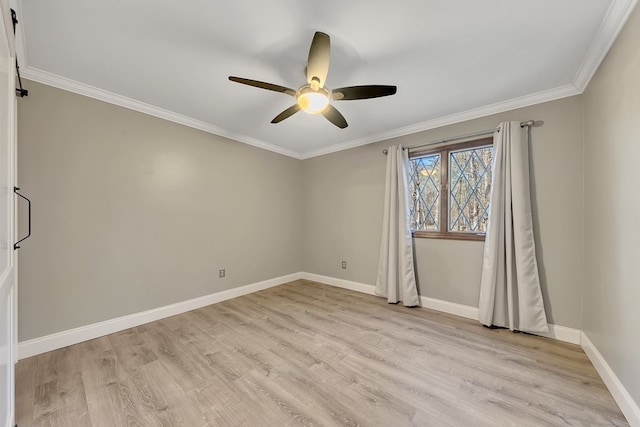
(528, 123)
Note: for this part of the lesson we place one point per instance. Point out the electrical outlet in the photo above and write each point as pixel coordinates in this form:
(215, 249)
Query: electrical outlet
(221, 273)
(344, 265)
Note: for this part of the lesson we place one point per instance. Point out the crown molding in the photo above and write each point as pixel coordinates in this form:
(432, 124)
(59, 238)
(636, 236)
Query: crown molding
(616, 16)
(63, 83)
(475, 113)
(59, 82)
(612, 23)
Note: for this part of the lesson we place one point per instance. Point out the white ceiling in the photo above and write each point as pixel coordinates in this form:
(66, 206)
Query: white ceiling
(451, 60)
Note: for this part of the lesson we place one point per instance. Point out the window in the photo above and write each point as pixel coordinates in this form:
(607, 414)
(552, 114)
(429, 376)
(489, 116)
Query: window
(449, 190)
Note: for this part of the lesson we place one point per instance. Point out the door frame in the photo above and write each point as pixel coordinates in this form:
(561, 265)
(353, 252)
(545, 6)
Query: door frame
(8, 279)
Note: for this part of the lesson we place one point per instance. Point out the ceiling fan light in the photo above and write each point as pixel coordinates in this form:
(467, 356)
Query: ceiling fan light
(313, 102)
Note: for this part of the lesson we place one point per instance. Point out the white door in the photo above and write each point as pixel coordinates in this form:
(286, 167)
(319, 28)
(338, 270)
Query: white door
(7, 217)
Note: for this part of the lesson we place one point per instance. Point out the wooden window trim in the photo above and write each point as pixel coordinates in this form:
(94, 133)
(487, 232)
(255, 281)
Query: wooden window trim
(448, 235)
(444, 151)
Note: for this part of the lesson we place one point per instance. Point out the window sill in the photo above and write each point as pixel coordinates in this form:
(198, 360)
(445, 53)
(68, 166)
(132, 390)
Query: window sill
(448, 236)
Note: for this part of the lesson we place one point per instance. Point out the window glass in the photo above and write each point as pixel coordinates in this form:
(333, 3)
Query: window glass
(424, 193)
(449, 190)
(469, 189)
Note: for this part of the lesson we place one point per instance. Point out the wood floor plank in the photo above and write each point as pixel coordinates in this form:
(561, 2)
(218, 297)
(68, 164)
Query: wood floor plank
(25, 388)
(112, 398)
(310, 354)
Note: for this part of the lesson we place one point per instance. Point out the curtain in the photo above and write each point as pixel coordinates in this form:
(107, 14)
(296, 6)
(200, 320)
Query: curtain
(510, 294)
(396, 276)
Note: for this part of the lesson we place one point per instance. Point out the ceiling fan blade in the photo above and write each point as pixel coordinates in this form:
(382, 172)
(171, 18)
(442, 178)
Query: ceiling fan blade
(286, 113)
(334, 116)
(318, 62)
(362, 92)
(263, 85)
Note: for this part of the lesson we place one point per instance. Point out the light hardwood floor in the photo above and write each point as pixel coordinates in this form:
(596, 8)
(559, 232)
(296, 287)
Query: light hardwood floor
(310, 354)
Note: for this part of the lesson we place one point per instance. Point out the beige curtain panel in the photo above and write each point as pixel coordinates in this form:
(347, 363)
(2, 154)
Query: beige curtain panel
(396, 275)
(510, 294)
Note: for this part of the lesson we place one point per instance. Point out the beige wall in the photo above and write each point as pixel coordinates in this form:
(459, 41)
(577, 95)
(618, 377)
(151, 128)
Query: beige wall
(131, 212)
(343, 203)
(612, 208)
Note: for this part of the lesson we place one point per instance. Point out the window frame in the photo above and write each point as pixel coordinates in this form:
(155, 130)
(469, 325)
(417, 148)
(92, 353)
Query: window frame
(444, 151)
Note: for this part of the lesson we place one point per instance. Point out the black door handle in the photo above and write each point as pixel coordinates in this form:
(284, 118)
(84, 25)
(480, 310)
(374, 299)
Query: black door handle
(15, 245)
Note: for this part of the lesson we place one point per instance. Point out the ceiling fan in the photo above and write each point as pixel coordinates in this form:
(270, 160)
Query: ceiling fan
(314, 97)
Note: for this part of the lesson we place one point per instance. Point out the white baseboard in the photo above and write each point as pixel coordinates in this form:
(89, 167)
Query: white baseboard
(450, 307)
(84, 333)
(340, 283)
(561, 333)
(62, 339)
(627, 405)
